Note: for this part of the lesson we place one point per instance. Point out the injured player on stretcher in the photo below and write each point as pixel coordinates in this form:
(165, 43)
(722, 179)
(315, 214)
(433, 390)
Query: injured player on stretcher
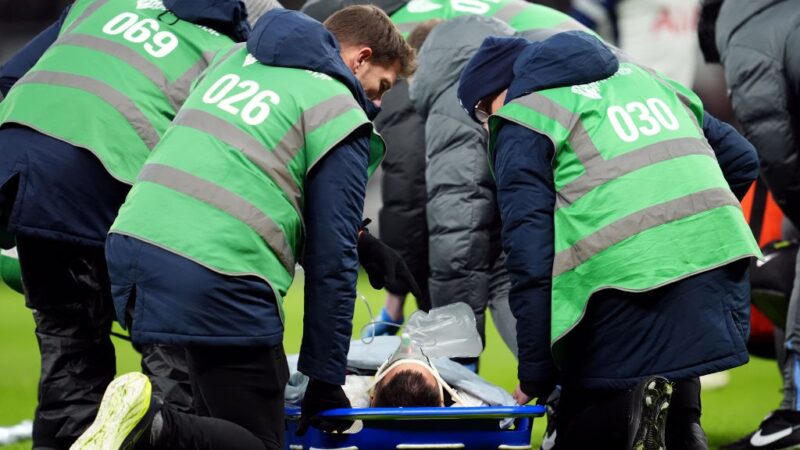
(395, 372)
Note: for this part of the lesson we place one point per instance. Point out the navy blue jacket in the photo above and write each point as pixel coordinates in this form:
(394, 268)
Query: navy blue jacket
(64, 192)
(688, 328)
(194, 305)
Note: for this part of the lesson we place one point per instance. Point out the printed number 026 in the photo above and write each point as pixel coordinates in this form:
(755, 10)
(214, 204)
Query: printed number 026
(255, 111)
(141, 31)
(652, 116)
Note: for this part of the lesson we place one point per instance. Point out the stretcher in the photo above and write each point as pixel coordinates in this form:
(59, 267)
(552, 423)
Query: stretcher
(473, 428)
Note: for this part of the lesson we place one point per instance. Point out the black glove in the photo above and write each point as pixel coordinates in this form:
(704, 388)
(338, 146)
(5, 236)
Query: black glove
(321, 396)
(539, 390)
(384, 266)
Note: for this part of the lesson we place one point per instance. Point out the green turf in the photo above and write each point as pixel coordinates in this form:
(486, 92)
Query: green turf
(728, 413)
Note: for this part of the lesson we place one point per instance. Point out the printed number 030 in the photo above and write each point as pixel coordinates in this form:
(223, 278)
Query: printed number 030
(141, 31)
(651, 117)
(255, 111)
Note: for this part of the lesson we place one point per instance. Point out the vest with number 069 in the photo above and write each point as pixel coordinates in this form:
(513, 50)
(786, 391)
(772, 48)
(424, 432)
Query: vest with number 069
(641, 201)
(518, 14)
(113, 80)
(225, 185)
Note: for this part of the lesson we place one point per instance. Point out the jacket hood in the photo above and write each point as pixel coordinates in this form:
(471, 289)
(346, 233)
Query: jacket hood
(322, 9)
(734, 14)
(565, 59)
(445, 53)
(286, 38)
(229, 17)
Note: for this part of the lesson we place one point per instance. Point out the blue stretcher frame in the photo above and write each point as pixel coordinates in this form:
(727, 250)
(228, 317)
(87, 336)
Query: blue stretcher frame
(470, 428)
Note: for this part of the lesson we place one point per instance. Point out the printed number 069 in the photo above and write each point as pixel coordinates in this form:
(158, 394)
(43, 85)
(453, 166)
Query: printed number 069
(141, 31)
(652, 116)
(255, 111)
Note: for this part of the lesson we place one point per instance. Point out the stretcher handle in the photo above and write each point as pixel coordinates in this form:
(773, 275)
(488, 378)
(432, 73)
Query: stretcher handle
(472, 412)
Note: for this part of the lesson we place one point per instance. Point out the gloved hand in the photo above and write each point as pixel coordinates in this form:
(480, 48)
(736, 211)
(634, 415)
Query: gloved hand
(321, 396)
(538, 390)
(384, 266)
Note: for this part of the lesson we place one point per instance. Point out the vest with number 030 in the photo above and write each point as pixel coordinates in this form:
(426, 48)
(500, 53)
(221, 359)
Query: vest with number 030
(113, 80)
(641, 201)
(518, 14)
(225, 185)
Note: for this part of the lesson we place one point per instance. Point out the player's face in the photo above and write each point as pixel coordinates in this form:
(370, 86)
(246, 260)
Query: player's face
(377, 79)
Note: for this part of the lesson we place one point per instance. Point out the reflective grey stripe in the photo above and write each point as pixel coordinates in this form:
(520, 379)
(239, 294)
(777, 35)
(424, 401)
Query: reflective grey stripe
(570, 25)
(85, 14)
(151, 71)
(269, 162)
(113, 97)
(311, 119)
(638, 222)
(224, 200)
(628, 162)
(178, 90)
(510, 10)
(579, 139)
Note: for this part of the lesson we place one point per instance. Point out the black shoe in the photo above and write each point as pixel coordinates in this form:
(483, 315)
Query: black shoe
(692, 437)
(124, 417)
(780, 430)
(549, 440)
(648, 414)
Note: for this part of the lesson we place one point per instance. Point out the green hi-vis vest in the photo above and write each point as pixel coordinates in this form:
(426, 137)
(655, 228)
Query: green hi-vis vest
(113, 80)
(519, 14)
(225, 185)
(641, 201)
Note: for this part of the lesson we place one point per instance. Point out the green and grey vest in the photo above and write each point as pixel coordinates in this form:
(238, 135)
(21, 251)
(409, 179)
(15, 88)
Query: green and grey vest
(225, 185)
(641, 201)
(519, 14)
(113, 80)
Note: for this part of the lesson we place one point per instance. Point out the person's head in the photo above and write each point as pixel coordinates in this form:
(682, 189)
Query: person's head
(418, 35)
(707, 30)
(486, 77)
(372, 47)
(406, 385)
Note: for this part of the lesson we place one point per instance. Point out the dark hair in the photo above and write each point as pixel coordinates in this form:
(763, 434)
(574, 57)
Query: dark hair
(369, 26)
(707, 30)
(418, 35)
(406, 388)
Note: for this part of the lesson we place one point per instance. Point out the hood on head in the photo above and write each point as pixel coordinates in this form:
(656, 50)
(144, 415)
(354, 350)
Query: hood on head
(444, 54)
(565, 59)
(228, 17)
(257, 8)
(322, 9)
(286, 38)
(489, 71)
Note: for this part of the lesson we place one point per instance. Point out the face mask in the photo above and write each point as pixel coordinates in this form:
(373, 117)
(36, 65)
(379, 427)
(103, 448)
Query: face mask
(411, 353)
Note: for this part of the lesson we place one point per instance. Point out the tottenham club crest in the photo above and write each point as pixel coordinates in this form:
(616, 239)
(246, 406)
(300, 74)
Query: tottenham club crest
(591, 90)
(150, 4)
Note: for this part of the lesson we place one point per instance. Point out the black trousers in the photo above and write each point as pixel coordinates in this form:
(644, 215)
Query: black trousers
(68, 289)
(239, 398)
(599, 418)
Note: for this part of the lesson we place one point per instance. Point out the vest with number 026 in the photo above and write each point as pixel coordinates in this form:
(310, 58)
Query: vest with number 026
(113, 80)
(641, 201)
(225, 185)
(518, 14)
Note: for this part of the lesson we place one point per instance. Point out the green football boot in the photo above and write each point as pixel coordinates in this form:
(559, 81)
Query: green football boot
(124, 417)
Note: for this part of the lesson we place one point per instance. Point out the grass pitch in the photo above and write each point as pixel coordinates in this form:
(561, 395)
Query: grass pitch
(728, 413)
